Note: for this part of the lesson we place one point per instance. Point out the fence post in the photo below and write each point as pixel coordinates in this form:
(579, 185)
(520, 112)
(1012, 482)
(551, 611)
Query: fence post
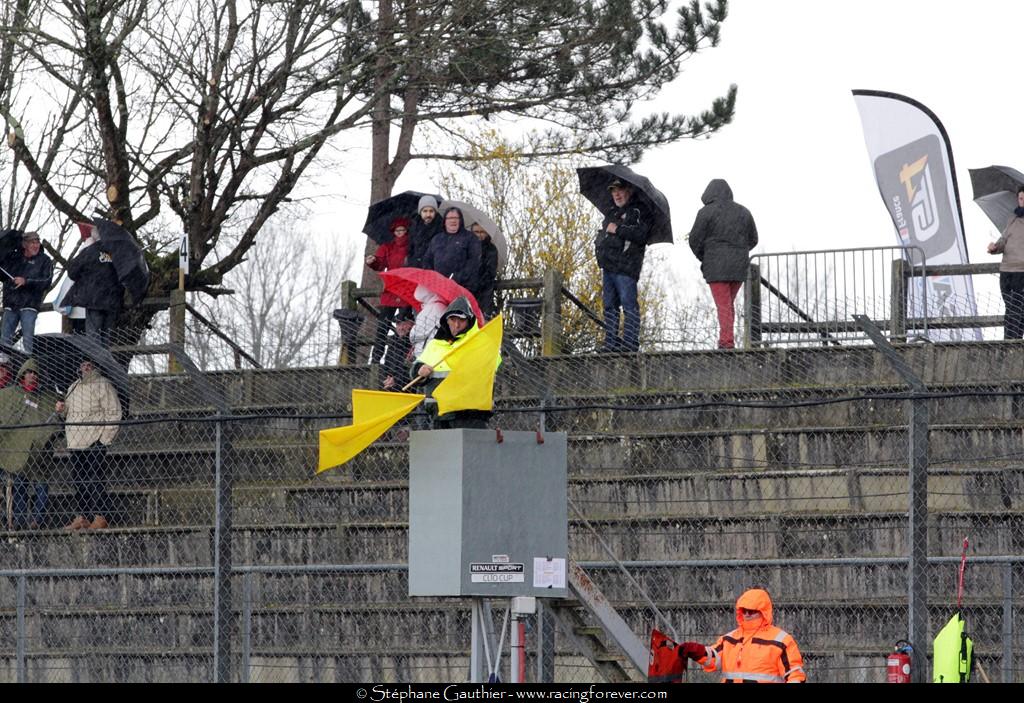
(752, 308)
(21, 635)
(349, 349)
(551, 320)
(177, 328)
(917, 511)
(898, 301)
(1008, 667)
(223, 613)
(246, 625)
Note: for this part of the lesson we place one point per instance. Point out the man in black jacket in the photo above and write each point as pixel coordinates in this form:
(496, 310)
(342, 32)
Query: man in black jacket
(425, 226)
(620, 246)
(96, 289)
(455, 253)
(27, 274)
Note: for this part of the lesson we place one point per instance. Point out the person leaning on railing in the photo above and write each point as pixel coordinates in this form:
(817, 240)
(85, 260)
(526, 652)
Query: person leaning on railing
(1011, 270)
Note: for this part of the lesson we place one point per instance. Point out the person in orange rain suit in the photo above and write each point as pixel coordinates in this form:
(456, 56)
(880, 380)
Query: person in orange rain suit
(756, 651)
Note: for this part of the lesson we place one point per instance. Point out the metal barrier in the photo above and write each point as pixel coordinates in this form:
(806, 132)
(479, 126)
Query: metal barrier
(808, 297)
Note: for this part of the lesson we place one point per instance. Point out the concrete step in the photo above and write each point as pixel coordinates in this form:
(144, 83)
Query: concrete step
(963, 364)
(294, 459)
(713, 587)
(621, 413)
(433, 666)
(656, 538)
(735, 493)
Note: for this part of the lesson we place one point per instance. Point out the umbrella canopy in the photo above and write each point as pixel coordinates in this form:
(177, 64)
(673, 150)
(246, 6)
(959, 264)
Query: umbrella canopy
(995, 192)
(10, 239)
(381, 213)
(130, 264)
(594, 182)
(60, 355)
(472, 214)
(403, 283)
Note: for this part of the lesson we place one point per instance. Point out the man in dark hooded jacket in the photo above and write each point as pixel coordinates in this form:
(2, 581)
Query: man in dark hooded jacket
(455, 253)
(620, 246)
(721, 238)
(96, 289)
(458, 324)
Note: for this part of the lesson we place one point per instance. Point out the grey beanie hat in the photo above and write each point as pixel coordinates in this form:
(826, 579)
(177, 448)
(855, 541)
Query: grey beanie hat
(427, 201)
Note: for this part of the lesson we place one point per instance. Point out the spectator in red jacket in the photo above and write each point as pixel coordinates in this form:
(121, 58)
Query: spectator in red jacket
(391, 255)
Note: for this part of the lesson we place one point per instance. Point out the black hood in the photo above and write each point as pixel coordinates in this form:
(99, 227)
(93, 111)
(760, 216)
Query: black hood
(717, 190)
(461, 306)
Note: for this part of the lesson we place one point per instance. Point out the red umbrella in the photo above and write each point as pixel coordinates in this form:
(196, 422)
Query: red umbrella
(403, 282)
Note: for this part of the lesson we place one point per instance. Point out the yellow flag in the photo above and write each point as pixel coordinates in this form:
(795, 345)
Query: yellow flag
(470, 384)
(373, 412)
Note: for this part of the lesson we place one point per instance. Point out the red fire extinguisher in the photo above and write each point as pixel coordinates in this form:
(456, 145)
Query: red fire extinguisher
(897, 664)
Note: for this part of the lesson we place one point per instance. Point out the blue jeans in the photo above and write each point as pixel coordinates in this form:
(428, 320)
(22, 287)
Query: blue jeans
(620, 293)
(22, 491)
(27, 318)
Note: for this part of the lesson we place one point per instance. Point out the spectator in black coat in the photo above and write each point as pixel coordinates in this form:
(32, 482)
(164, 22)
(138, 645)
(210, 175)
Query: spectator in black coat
(620, 247)
(96, 289)
(28, 274)
(425, 226)
(721, 238)
(455, 253)
(398, 355)
(483, 289)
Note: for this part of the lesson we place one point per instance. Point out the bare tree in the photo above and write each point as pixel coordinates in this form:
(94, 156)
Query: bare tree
(281, 310)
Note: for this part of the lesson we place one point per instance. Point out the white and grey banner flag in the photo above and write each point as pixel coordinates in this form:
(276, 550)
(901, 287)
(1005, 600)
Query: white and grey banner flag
(913, 165)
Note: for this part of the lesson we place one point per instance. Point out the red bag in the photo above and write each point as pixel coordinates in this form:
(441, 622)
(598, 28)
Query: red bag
(665, 665)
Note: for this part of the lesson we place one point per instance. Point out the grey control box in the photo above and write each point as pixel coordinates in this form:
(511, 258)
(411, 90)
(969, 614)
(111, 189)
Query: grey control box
(488, 514)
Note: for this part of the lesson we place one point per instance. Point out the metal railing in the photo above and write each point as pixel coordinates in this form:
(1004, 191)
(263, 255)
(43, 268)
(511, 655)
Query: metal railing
(807, 297)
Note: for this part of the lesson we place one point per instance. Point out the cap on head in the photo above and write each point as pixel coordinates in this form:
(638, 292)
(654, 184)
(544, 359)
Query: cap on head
(399, 222)
(459, 314)
(30, 237)
(619, 183)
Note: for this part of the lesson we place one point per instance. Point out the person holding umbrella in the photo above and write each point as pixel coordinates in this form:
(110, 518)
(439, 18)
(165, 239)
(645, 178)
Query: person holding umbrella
(91, 399)
(1011, 270)
(27, 274)
(390, 255)
(721, 238)
(96, 287)
(620, 246)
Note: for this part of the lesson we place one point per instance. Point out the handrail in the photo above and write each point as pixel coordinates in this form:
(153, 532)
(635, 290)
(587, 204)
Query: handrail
(216, 330)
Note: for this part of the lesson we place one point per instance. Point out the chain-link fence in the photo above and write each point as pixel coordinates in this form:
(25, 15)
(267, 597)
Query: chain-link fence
(693, 475)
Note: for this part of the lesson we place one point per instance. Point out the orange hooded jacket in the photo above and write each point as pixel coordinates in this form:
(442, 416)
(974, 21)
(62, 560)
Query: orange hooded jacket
(756, 651)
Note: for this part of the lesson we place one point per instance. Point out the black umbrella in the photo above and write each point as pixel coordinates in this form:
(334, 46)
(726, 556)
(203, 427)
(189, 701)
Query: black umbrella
(594, 182)
(995, 192)
(60, 355)
(10, 239)
(127, 257)
(381, 213)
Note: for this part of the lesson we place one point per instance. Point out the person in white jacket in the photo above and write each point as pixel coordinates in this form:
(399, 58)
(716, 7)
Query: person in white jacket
(91, 399)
